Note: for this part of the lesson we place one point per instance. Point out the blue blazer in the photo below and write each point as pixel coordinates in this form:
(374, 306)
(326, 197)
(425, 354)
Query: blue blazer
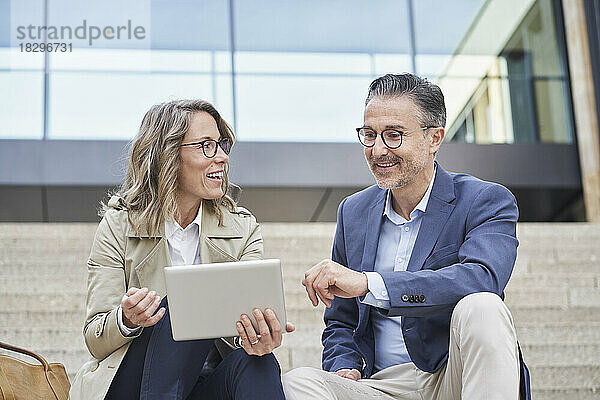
(466, 244)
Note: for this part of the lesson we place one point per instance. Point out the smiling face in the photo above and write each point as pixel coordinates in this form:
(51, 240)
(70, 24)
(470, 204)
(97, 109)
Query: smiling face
(200, 177)
(398, 168)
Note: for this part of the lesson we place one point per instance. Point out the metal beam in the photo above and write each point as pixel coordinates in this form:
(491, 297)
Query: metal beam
(266, 164)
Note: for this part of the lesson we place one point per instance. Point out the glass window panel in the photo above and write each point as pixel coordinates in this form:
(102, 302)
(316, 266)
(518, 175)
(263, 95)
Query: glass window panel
(191, 24)
(537, 37)
(5, 26)
(432, 65)
(105, 24)
(300, 109)
(12, 58)
(223, 98)
(22, 104)
(316, 25)
(222, 61)
(133, 60)
(303, 63)
(554, 120)
(391, 63)
(441, 25)
(23, 13)
(111, 106)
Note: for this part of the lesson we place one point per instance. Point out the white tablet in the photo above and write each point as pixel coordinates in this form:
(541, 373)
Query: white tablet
(206, 300)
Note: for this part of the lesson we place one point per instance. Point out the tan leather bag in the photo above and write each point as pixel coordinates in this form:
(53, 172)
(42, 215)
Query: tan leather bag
(23, 381)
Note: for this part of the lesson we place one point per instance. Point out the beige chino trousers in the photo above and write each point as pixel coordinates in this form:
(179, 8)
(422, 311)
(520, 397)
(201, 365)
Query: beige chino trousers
(483, 364)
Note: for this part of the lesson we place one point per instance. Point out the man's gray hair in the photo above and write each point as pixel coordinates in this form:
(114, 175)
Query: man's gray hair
(426, 95)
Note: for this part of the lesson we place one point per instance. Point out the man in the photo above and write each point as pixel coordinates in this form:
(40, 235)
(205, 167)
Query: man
(420, 262)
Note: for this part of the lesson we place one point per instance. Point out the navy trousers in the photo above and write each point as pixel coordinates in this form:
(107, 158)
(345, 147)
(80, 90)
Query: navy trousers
(157, 367)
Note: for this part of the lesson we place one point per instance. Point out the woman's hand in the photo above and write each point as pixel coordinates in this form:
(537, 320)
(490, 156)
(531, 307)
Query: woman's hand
(269, 337)
(138, 307)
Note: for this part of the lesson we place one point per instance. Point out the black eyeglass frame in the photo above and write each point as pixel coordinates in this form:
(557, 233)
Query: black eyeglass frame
(218, 143)
(401, 133)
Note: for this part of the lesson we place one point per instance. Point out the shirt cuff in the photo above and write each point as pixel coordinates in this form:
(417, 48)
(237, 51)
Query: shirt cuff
(126, 331)
(377, 295)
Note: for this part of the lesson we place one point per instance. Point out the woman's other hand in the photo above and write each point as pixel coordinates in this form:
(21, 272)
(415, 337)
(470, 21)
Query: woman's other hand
(139, 307)
(269, 335)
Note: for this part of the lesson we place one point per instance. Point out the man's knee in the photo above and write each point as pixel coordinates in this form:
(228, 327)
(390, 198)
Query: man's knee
(480, 302)
(303, 377)
(481, 314)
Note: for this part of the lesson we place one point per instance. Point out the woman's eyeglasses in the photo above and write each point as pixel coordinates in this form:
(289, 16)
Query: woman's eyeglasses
(210, 146)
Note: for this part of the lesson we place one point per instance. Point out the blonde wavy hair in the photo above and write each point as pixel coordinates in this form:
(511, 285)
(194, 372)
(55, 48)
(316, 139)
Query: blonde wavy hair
(150, 185)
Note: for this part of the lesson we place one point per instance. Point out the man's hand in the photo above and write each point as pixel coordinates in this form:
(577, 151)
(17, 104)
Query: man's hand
(139, 307)
(269, 337)
(328, 279)
(353, 374)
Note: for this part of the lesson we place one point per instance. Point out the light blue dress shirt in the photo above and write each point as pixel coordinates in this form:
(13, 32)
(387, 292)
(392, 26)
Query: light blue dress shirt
(396, 243)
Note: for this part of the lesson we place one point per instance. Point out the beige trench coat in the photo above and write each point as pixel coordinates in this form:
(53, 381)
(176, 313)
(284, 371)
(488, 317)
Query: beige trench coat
(121, 259)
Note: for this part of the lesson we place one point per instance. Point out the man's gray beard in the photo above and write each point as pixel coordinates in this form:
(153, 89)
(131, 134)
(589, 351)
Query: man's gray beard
(404, 180)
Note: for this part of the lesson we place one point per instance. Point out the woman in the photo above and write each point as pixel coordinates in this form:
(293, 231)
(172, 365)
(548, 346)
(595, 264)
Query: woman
(172, 209)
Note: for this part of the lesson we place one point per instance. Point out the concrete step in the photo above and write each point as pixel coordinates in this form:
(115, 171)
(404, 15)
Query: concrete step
(15, 276)
(43, 230)
(46, 318)
(75, 302)
(536, 315)
(57, 338)
(43, 283)
(566, 377)
(582, 332)
(521, 297)
(566, 394)
(526, 305)
(554, 280)
(296, 298)
(75, 318)
(44, 260)
(554, 296)
(553, 232)
(581, 342)
(584, 267)
(559, 354)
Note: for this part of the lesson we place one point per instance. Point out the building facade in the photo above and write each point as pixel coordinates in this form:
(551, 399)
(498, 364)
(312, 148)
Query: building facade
(519, 78)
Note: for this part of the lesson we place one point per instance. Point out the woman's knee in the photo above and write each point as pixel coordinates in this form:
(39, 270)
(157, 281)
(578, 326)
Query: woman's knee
(241, 360)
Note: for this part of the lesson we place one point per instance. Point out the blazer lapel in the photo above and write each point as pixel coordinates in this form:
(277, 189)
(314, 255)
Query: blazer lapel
(436, 214)
(215, 243)
(372, 231)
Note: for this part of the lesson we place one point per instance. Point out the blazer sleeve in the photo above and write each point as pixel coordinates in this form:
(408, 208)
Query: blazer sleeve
(106, 286)
(486, 260)
(339, 348)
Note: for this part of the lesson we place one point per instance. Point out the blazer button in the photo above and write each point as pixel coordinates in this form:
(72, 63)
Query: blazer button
(411, 298)
(422, 298)
(404, 298)
(98, 330)
(95, 367)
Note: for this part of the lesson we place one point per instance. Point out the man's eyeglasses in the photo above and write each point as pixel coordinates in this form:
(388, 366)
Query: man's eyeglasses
(392, 138)
(210, 146)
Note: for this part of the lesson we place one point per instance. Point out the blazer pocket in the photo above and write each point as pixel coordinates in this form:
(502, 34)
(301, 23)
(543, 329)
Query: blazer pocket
(443, 257)
(220, 251)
